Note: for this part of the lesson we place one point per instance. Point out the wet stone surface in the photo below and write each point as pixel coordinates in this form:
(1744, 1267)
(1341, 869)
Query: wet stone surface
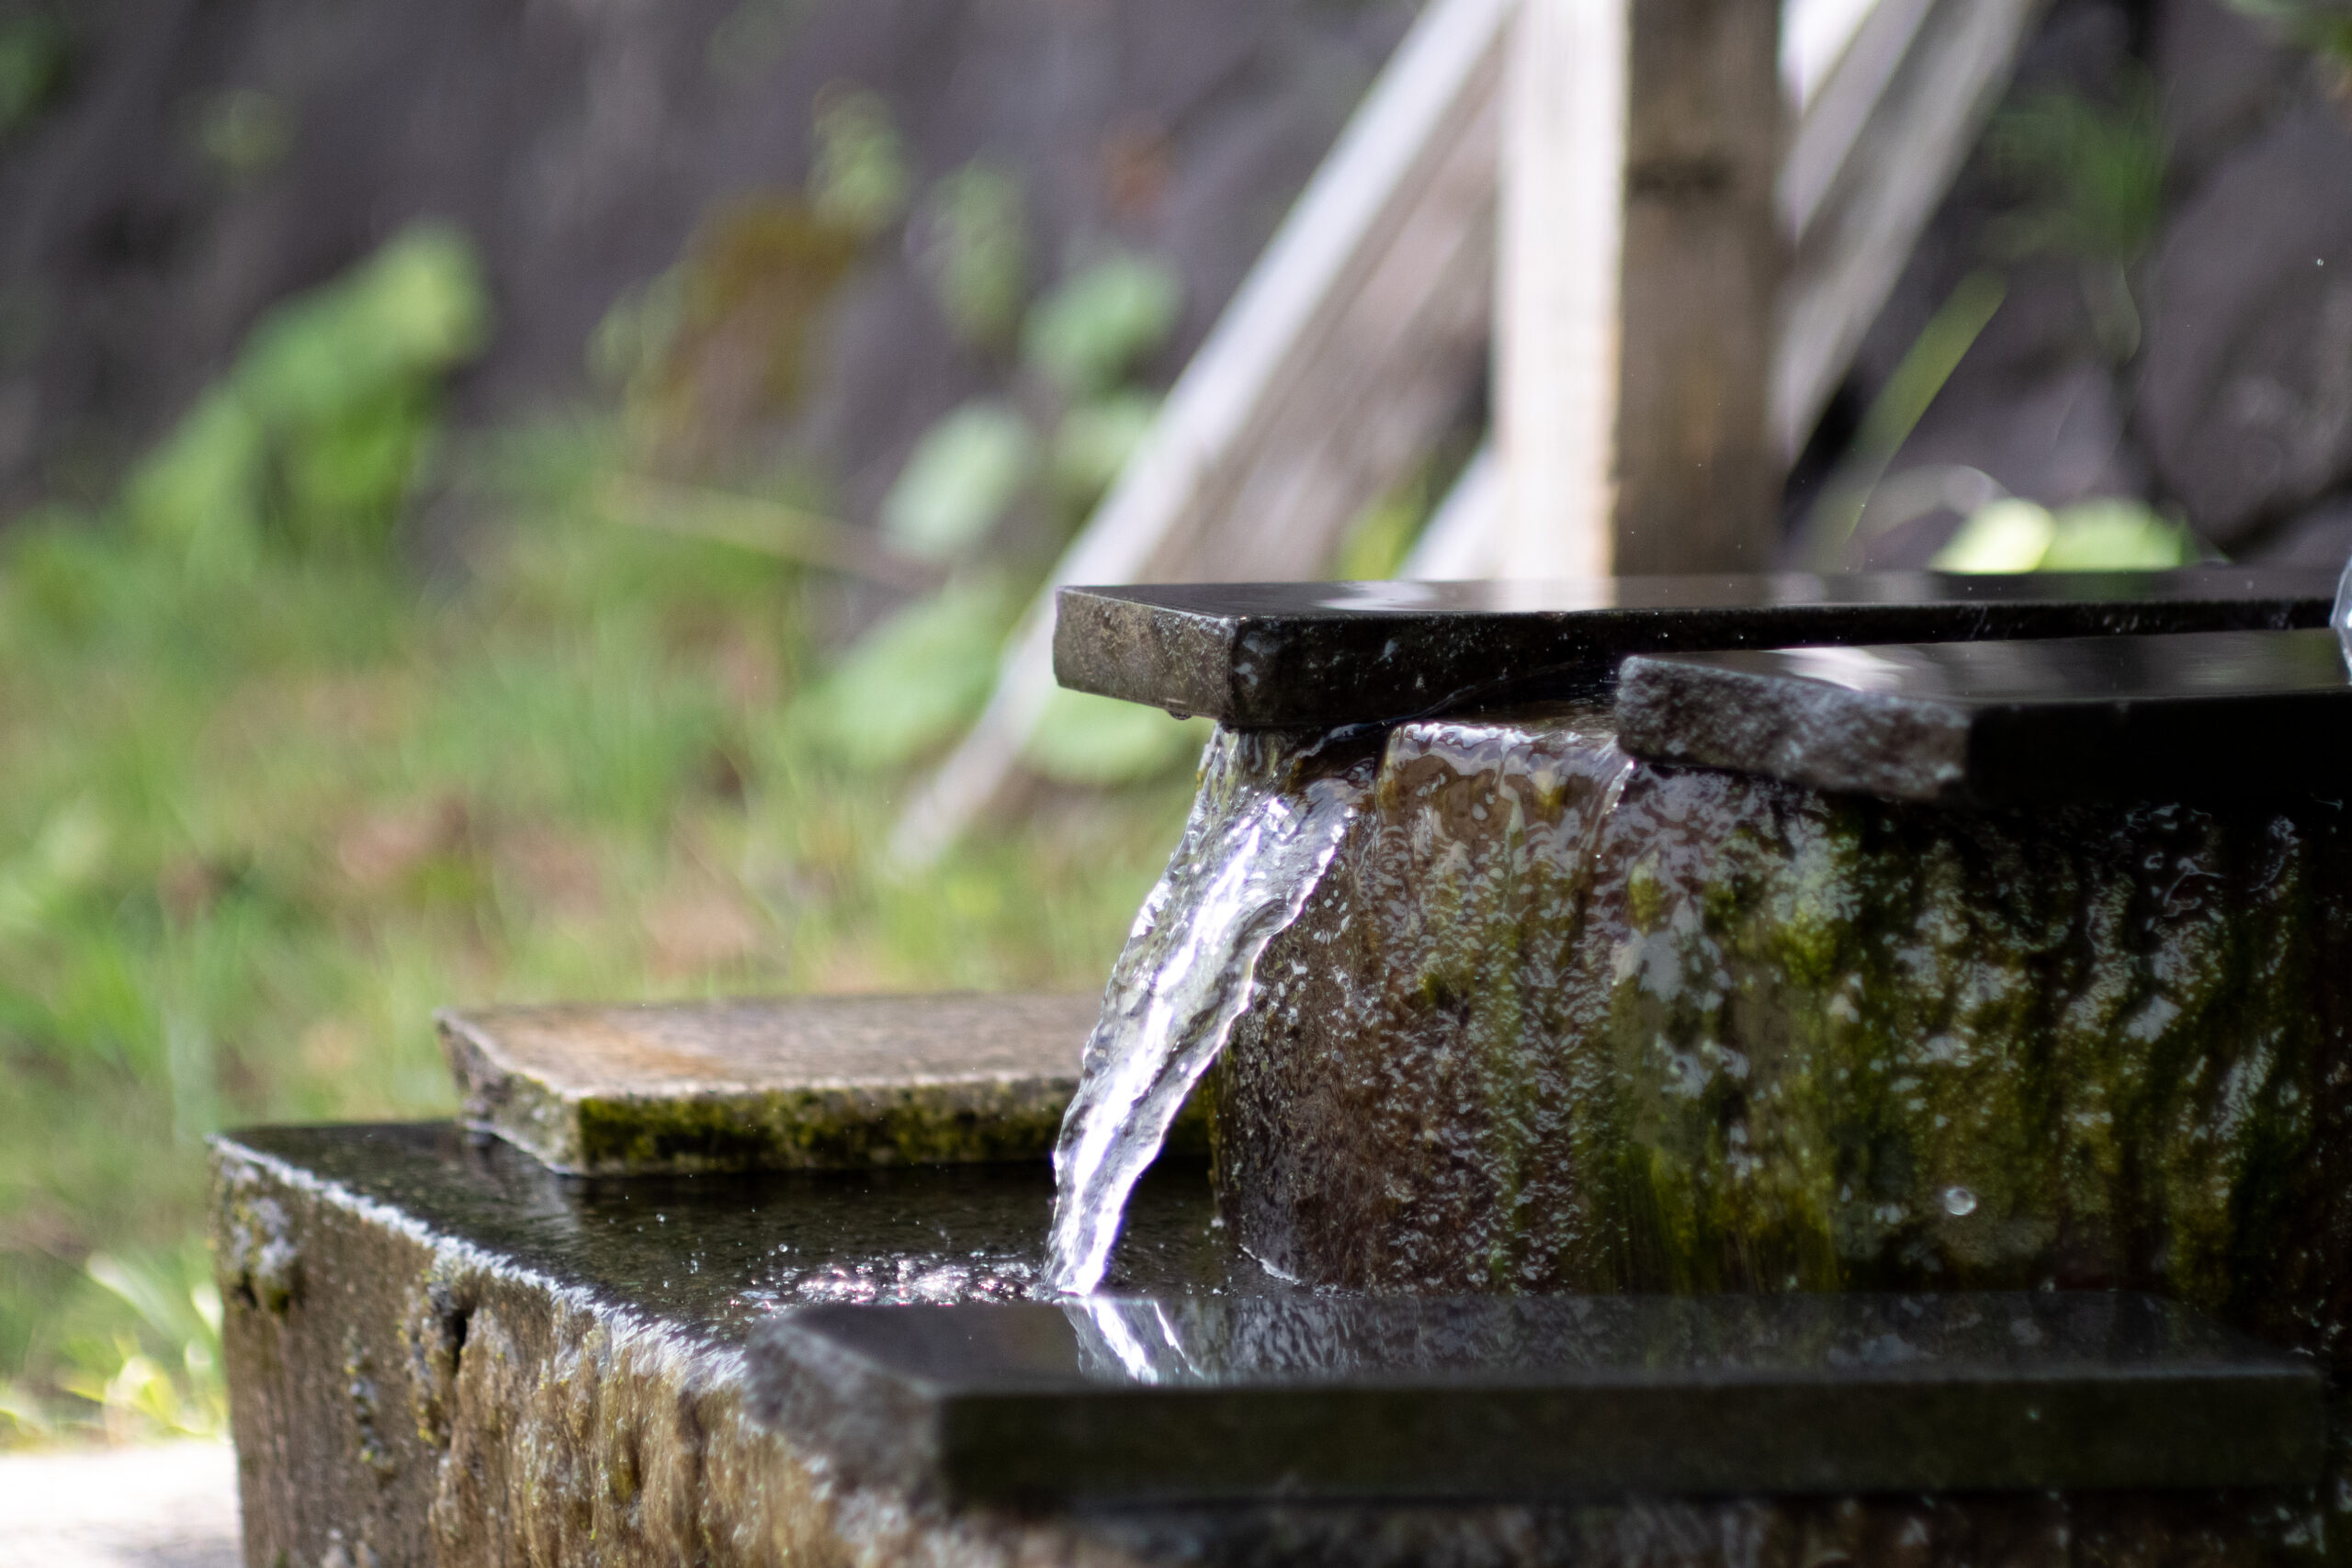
(1142, 1398)
(806, 1083)
(1320, 655)
(1556, 1020)
(2198, 715)
(441, 1353)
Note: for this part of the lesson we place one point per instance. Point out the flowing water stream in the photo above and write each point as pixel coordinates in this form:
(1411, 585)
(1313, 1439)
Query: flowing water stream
(1263, 831)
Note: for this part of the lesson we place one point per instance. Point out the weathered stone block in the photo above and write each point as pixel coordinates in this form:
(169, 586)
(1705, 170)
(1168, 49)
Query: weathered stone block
(1558, 1022)
(805, 1083)
(440, 1353)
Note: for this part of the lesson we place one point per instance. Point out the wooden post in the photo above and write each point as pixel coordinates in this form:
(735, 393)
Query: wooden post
(1640, 259)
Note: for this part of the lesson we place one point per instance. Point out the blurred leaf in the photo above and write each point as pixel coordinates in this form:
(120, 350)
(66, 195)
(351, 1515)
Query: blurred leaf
(317, 434)
(1094, 440)
(958, 480)
(976, 252)
(2091, 174)
(34, 53)
(417, 307)
(722, 344)
(202, 489)
(1091, 330)
(1378, 542)
(859, 176)
(1098, 741)
(754, 37)
(246, 132)
(2116, 534)
(2322, 27)
(1921, 373)
(2004, 535)
(144, 1395)
(2109, 533)
(69, 856)
(637, 332)
(910, 683)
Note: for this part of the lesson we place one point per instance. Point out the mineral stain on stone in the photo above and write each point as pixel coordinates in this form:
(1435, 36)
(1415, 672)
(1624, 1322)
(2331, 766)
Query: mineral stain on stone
(1724, 1032)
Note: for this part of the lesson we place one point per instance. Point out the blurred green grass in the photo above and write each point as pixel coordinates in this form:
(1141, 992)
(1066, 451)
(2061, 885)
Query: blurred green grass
(274, 799)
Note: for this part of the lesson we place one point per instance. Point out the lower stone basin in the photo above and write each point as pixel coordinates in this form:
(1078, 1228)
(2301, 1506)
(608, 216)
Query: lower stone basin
(1555, 1022)
(441, 1353)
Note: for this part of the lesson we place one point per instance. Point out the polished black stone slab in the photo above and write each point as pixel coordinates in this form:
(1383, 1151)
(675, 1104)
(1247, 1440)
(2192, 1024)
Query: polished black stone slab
(2189, 716)
(1134, 1400)
(1325, 654)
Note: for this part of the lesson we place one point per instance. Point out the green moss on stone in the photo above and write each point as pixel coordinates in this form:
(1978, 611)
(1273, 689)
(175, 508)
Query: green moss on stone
(1739, 1034)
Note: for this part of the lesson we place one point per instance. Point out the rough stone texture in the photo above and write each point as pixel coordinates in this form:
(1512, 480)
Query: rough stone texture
(2246, 389)
(441, 1354)
(809, 1083)
(1718, 1031)
(1276, 655)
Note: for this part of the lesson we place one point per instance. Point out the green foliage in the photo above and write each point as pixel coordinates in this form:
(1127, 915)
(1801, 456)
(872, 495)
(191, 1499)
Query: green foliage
(751, 38)
(976, 252)
(2112, 533)
(2091, 175)
(246, 133)
(910, 682)
(1093, 330)
(959, 480)
(35, 52)
(1918, 376)
(1097, 742)
(314, 439)
(1093, 441)
(859, 176)
(2323, 27)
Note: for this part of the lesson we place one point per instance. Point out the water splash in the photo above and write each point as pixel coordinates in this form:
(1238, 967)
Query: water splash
(1263, 831)
(2342, 617)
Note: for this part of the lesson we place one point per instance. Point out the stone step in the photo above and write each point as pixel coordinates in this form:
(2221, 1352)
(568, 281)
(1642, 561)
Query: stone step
(797, 1083)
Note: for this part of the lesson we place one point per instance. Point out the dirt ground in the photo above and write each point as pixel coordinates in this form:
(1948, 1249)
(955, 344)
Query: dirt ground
(172, 1505)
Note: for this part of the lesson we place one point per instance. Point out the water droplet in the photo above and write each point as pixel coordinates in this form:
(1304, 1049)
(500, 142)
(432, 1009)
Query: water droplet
(1959, 1202)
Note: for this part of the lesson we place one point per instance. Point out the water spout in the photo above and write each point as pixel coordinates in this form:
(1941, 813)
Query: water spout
(2342, 618)
(1268, 821)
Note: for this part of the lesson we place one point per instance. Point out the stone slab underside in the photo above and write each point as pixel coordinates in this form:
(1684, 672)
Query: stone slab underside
(1734, 1033)
(441, 1354)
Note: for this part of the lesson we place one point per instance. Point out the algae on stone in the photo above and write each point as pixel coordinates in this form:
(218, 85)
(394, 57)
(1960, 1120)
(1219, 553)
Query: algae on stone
(1555, 1022)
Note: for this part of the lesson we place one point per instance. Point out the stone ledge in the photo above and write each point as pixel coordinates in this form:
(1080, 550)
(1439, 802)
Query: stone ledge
(441, 1353)
(809, 1083)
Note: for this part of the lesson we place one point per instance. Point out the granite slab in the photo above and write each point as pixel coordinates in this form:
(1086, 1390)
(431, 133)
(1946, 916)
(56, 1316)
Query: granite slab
(799, 1083)
(2189, 716)
(1325, 654)
(1110, 1399)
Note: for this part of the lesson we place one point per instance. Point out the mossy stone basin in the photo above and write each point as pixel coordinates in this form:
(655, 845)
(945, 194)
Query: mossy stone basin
(1556, 1021)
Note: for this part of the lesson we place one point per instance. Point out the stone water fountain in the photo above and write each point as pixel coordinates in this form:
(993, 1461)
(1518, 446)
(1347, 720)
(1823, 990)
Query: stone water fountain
(1716, 1071)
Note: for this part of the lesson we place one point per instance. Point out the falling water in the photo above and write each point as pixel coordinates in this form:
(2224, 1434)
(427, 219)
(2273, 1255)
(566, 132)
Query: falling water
(2342, 619)
(1262, 832)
